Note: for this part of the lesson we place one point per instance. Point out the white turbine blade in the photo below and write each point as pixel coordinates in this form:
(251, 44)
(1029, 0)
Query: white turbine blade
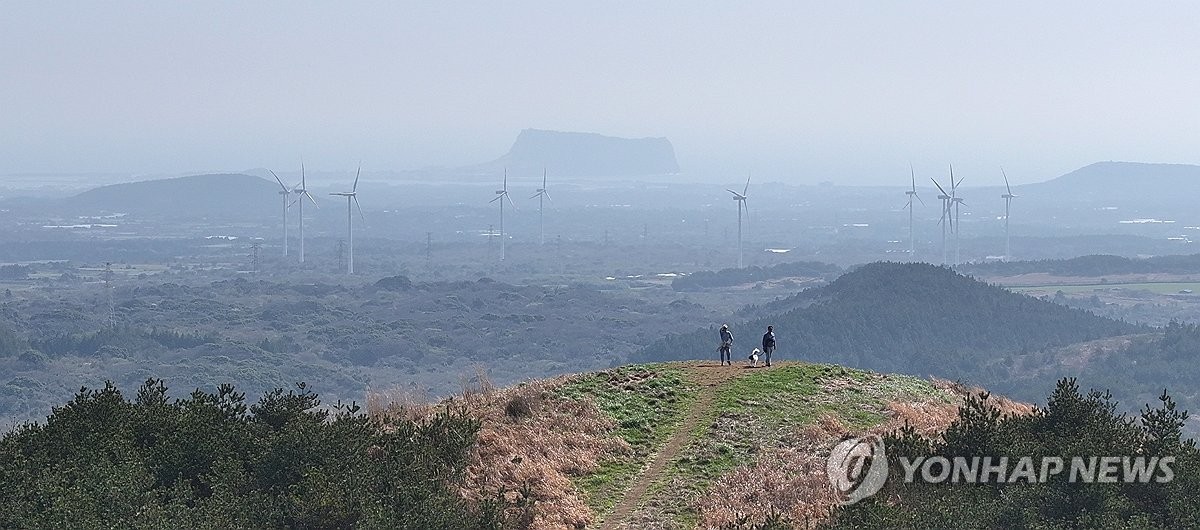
(913, 173)
(735, 194)
(359, 206)
(356, 175)
(293, 203)
(546, 194)
(535, 195)
(543, 177)
(303, 182)
(285, 188)
(1009, 188)
(747, 188)
(310, 197)
(510, 201)
(918, 198)
(495, 199)
(939, 186)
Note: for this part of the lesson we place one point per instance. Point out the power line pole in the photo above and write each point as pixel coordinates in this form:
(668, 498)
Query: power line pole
(341, 253)
(491, 235)
(562, 267)
(254, 260)
(108, 288)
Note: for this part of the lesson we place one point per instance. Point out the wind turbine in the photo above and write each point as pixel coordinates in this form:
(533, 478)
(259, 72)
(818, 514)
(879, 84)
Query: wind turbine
(957, 201)
(541, 195)
(351, 196)
(912, 194)
(287, 205)
(945, 219)
(502, 195)
(741, 200)
(1008, 197)
(302, 191)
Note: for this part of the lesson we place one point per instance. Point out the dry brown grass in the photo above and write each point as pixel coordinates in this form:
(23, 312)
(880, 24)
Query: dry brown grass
(788, 481)
(791, 480)
(1007, 406)
(398, 402)
(531, 442)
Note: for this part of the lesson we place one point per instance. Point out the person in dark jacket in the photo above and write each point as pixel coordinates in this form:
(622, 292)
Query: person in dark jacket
(726, 349)
(768, 344)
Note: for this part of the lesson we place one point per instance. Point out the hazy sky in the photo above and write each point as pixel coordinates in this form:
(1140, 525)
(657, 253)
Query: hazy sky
(794, 91)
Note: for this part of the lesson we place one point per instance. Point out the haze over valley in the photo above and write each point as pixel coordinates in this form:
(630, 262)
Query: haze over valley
(567, 265)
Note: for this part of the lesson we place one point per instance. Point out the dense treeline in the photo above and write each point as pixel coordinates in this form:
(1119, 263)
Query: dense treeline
(261, 334)
(214, 461)
(1072, 424)
(909, 318)
(1095, 265)
(731, 277)
(120, 339)
(1136, 372)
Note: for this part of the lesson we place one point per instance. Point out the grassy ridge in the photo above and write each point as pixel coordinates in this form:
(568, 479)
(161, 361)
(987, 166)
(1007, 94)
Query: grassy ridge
(749, 415)
(646, 402)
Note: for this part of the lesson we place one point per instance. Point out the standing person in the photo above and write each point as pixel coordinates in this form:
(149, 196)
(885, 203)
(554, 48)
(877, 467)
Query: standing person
(768, 345)
(726, 348)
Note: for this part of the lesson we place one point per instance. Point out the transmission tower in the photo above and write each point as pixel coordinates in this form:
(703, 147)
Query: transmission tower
(255, 264)
(108, 289)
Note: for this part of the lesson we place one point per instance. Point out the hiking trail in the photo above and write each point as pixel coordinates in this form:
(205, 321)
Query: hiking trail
(708, 376)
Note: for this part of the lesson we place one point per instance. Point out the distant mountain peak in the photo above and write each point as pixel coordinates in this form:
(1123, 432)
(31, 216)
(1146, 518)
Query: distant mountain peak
(580, 154)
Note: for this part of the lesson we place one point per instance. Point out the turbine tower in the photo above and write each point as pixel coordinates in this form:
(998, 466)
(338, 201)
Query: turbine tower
(911, 195)
(501, 196)
(1008, 197)
(351, 196)
(541, 195)
(741, 200)
(302, 191)
(287, 205)
(945, 219)
(957, 202)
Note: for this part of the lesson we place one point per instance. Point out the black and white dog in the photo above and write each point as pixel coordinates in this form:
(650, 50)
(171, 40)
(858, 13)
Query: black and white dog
(754, 358)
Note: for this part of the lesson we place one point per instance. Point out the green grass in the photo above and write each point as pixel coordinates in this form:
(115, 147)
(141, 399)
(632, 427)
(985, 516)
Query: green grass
(759, 410)
(647, 402)
(755, 411)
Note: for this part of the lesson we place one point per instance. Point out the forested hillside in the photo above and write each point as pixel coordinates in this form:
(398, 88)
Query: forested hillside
(908, 318)
(344, 339)
(214, 460)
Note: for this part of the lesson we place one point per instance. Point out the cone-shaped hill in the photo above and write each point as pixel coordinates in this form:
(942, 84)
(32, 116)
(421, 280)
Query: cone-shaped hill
(909, 318)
